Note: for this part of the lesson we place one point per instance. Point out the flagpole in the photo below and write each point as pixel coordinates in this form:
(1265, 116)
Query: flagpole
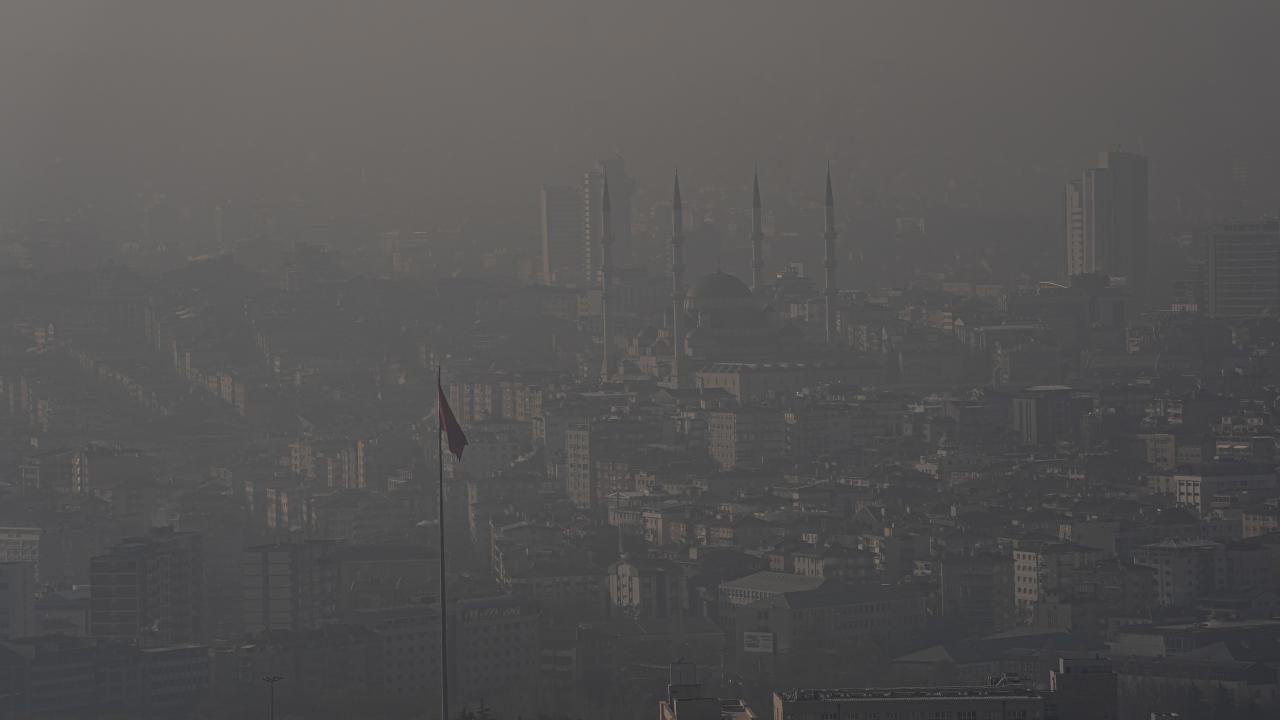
(444, 611)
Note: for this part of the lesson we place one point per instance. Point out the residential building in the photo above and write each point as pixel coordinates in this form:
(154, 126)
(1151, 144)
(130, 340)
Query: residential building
(1186, 570)
(746, 437)
(647, 589)
(1202, 487)
(978, 591)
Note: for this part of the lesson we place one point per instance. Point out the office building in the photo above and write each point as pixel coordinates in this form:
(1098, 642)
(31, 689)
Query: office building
(494, 644)
(1079, 255)
(1106, 221)
(410, 646)
(17, 600)
(1002, 700)
(1244, 270)
(149, 590)
(288, 586)
(1042, 415)
(562, 236)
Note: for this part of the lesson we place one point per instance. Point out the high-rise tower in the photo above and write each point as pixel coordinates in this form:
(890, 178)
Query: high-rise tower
(606, 274)
(757, 236)
(677, 282)
(561, 235)
(829, 260)
(1106, 222)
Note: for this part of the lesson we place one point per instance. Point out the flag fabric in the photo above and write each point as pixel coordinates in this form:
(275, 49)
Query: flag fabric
(453, 431)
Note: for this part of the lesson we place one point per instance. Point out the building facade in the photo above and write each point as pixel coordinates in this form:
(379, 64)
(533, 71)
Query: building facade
(1244, 270)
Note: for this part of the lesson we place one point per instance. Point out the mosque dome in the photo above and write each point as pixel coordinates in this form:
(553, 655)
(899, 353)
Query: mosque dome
(719, 286)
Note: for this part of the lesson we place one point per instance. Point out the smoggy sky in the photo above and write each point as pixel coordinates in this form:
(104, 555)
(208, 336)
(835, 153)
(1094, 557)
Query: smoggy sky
(437, 110)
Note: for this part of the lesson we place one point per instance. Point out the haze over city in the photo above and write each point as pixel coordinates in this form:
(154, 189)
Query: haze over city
(639, 361)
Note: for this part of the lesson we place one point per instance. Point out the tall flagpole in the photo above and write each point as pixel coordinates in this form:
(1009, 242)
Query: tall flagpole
(444, 616)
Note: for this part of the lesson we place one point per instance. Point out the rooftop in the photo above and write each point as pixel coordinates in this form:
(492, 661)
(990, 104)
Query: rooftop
(773, 582)
(920, 693)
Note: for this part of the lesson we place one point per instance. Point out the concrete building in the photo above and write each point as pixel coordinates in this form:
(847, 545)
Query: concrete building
(1041, 569)
(17, 600)
(1244, 270)
(998, 701)
(978, 591)
(798, 624)
(496, 653)
(1042, 415)
(149, 590)
(589, 445)
(647, 589)
(288, 586)
(1200, 487)
(410, 646)
(1186, 570)
(746, 437)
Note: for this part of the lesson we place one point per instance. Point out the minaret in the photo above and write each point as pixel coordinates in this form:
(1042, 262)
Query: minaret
(829, 261)
(677, 282)
(606, 275)
(757, 236)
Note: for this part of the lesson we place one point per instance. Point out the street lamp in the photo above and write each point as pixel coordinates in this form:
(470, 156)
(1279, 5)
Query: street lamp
(271, 681)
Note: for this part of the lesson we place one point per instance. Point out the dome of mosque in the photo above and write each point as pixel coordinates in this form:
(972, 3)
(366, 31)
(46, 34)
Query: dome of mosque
(719, 286)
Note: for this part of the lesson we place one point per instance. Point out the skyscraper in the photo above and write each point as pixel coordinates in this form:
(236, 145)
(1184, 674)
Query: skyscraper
(1079, 255)
(562, 233)
(1106, 222)
(1244, 270)
(621, 188)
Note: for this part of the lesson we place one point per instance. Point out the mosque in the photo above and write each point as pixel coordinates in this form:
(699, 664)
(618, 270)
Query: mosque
(719, 317)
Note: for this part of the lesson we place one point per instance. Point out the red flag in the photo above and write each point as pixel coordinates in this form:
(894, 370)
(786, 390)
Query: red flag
(457, 439)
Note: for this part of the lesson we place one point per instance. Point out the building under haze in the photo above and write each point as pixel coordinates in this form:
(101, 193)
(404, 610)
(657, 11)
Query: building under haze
(149, 590)
(1244, 270)
(1106, 221)
(572, 225)
(562, 233)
